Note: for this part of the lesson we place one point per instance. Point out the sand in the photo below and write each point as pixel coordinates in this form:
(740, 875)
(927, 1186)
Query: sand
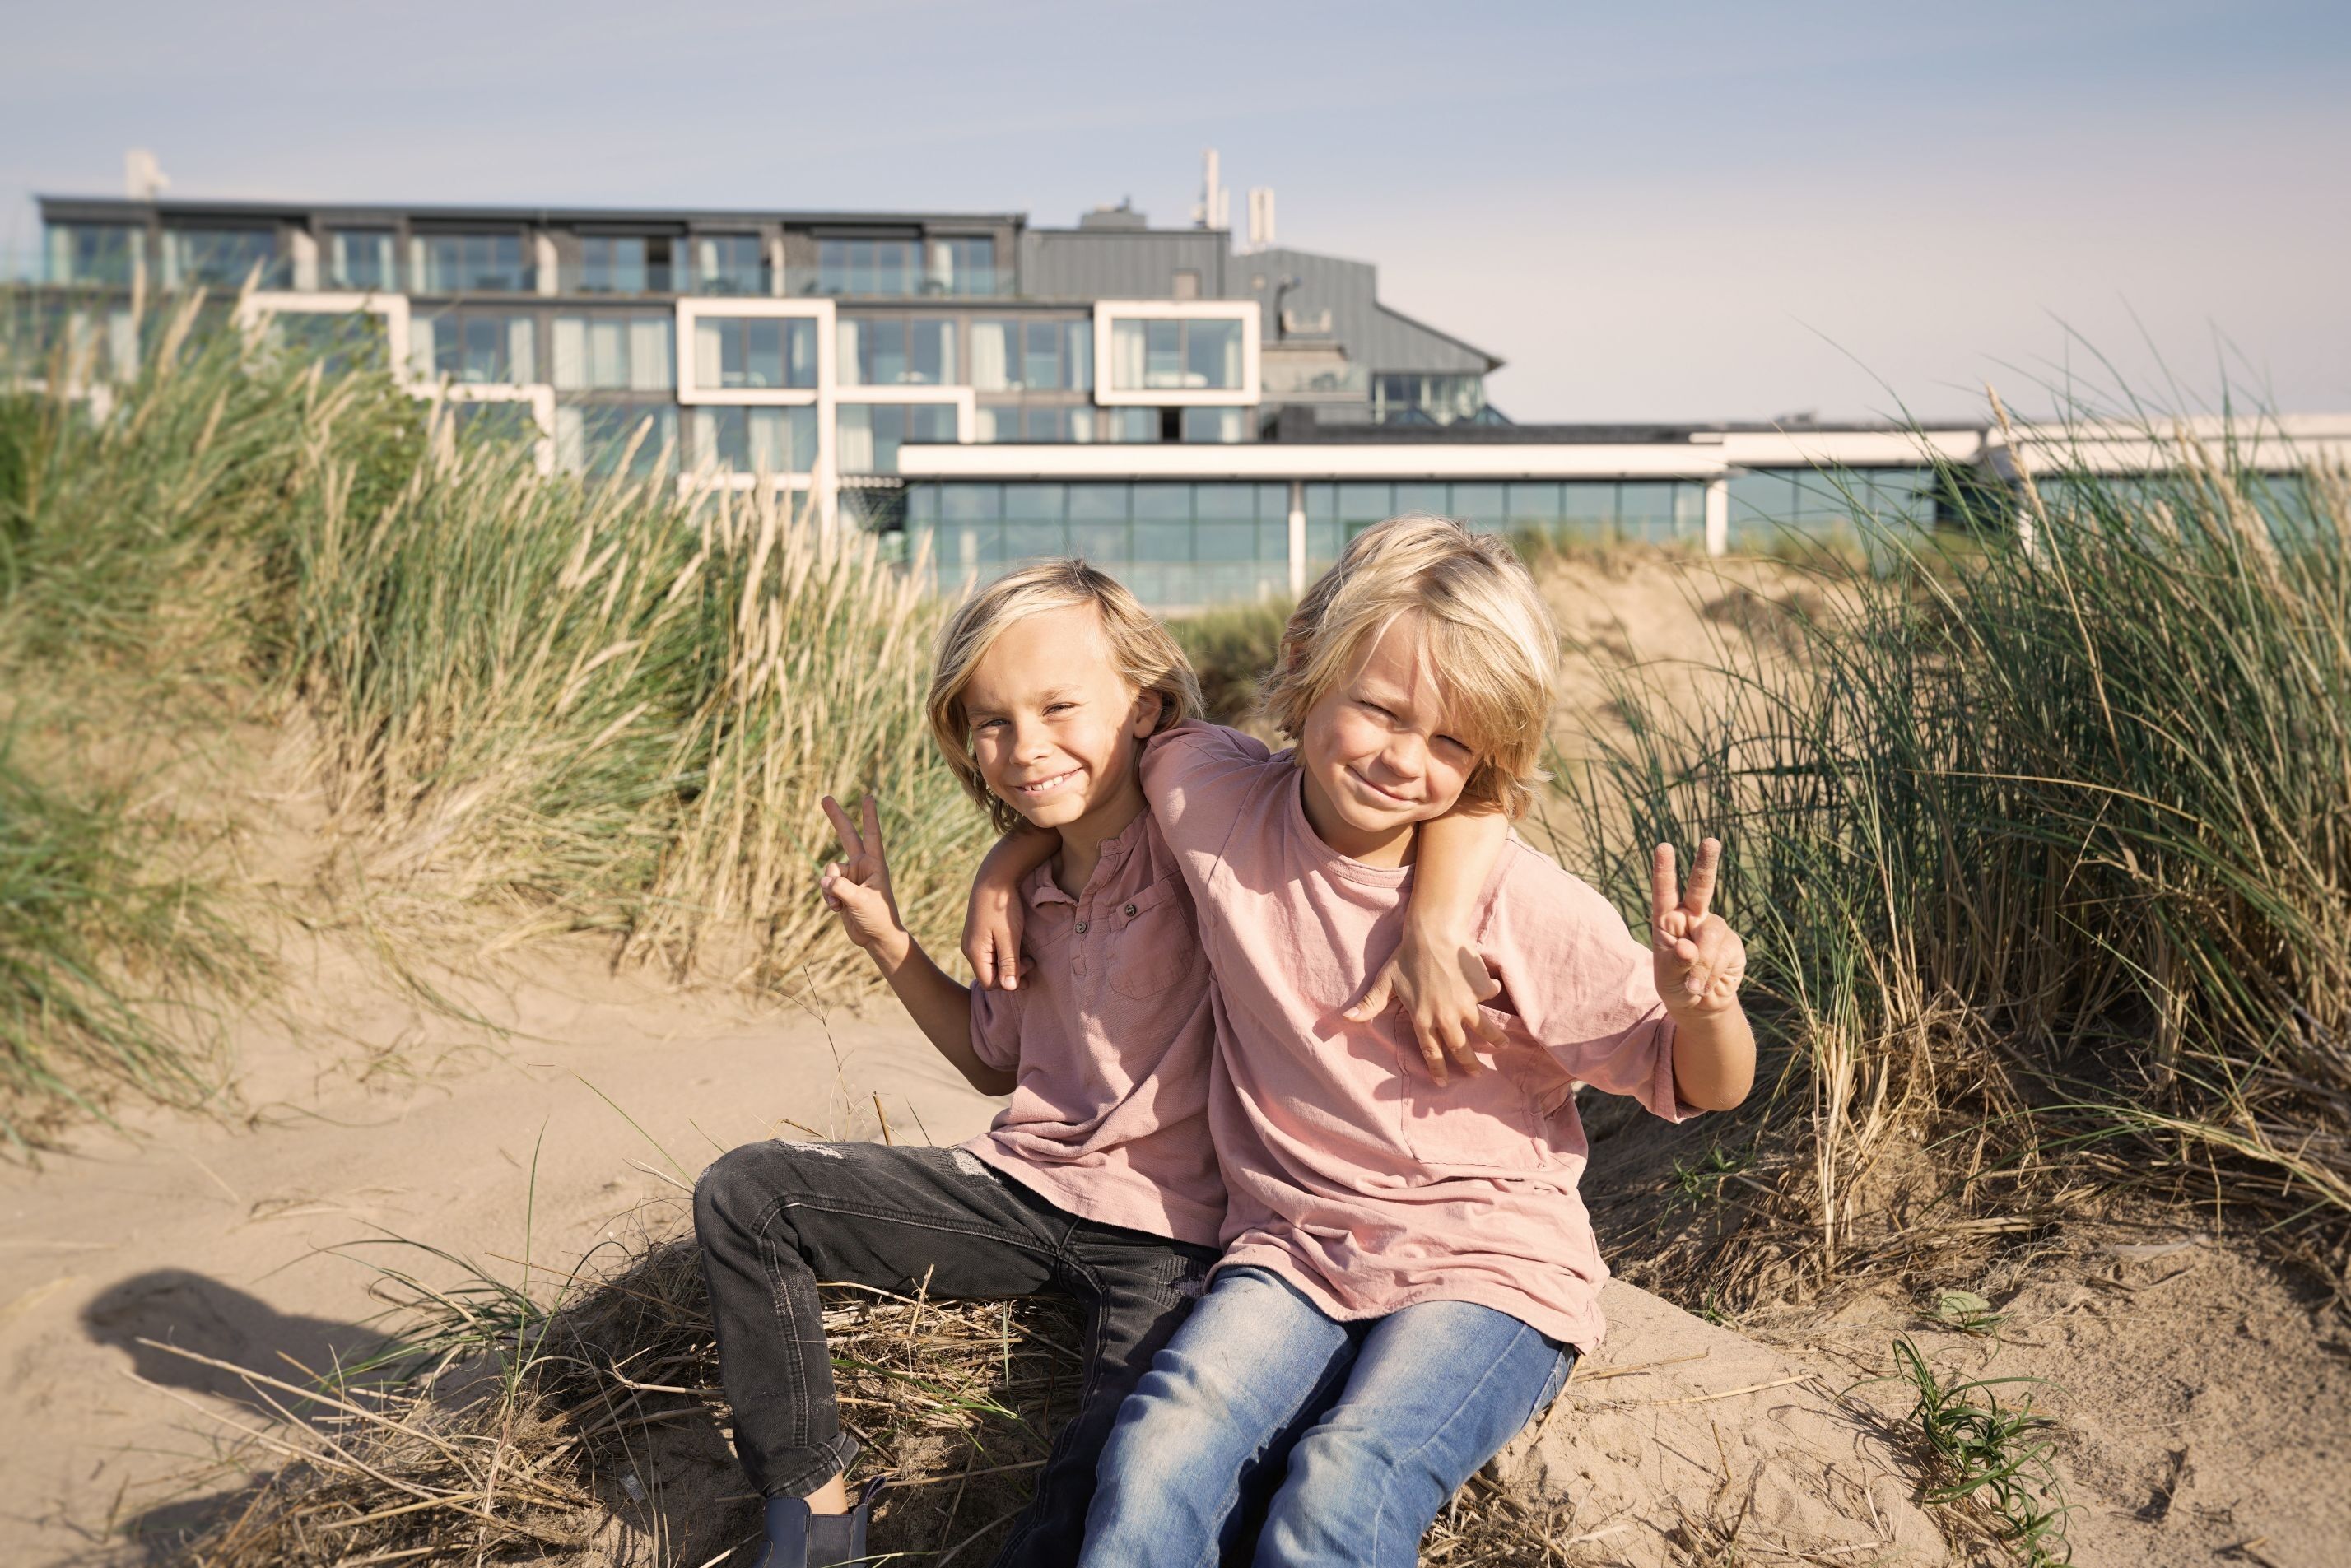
(383, 1117)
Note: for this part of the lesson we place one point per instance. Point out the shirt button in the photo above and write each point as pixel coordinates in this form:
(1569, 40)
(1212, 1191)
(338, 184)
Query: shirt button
(1129, 912)
(1081, 927)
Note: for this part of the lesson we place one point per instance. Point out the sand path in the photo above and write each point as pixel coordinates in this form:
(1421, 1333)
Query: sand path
(381, 1116)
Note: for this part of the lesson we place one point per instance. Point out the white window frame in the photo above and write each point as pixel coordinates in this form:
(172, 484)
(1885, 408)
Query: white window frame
(540, 395)
(1245, 311)
(690, 311)
(255, 309)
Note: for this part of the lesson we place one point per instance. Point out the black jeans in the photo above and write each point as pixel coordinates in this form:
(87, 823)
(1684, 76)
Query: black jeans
(774, 1218)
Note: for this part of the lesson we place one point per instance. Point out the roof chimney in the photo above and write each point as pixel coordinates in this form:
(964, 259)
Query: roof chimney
(142, 177)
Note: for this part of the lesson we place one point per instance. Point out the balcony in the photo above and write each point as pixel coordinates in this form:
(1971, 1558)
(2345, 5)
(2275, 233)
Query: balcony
(470, 264)
(894, 283)
(642, 278)
(1311, 372)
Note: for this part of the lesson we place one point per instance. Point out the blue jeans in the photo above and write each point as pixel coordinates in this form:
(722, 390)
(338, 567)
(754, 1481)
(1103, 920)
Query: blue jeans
(1361, 1430)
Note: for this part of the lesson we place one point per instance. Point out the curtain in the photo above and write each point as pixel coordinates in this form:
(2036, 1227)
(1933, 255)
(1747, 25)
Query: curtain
(705, 354)
(1126, 356)
(651, 356)
(420, 365)
(608, 354)
(1077, 356)
(522, 349)
(570, 438)
(845, 365)
(990, 357)
(855, 442)
(766, 440)
(570, 352)
(799, 427)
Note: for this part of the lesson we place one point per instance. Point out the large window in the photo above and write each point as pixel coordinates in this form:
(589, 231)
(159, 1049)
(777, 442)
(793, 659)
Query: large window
(1177, 545)
(1151, 355)
(1032, 355)
(1771, 507)
(360, 259)
(897, 350)
(1592, 511)
(596, 438)
(1428, 399)
(1046, 423)
(218, 258)
(1214, 425)
(622, 264)
(615, 353)
(754, 351)
(871, 434)
(896, 267)
(755, 440)
(731, 263)
(469, 262)
(94, 253)
(474, 346)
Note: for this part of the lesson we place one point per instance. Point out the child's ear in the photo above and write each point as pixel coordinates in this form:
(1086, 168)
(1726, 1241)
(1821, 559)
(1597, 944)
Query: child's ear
(1149, 706)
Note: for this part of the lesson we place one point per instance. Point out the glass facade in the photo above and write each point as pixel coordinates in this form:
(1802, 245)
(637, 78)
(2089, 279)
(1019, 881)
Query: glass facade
(1215, 425)
(594, 438)
(870, 434)
(894, 268)
(897, 351)
(755, 351)
(1428, 400)
(755, 440)
(1035, 423)
(1151, 355)
(1771, 508)
(731, 263)
(1175, 544)
(474, 346)
(94, 253)
(360, 259)
(1600, 511)
(1038, 354)
(219, 257)
(469, 262)
(622, 264)
(634, 353)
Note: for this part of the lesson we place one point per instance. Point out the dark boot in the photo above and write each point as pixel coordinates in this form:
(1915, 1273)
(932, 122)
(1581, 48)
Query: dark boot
(801, 1538)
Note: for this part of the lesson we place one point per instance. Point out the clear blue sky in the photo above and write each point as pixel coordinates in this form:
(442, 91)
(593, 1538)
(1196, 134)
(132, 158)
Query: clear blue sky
(1701, 211)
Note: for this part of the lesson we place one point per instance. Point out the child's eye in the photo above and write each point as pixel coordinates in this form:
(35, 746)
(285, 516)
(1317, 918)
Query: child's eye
(1373, 707)
(1059, 708)
(1461, 746)
(985, 725)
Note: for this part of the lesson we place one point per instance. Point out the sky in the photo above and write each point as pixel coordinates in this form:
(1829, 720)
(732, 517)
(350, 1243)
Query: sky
(1649, 211)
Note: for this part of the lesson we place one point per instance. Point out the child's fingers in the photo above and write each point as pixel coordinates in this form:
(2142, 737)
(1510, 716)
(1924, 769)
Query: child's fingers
(873, 830)
(1434, 1055)
(1007, 962)
(1701, 883)
(843, 828)
(1488, 1030)
(1374, 1000)
(1665, 894)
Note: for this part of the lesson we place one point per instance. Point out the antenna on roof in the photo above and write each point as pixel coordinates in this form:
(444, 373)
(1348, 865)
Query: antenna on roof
(1215, 210)
(144, 179)
(1260, 218)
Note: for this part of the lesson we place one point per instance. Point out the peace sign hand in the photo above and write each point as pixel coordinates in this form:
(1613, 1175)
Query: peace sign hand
(858, 888)
(1700, 960)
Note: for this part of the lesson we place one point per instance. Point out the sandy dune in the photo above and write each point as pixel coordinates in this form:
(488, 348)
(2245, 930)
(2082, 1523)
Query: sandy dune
(210, 1233)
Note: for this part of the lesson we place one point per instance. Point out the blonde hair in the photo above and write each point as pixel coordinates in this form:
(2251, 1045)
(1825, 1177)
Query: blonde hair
(1145, 657)
(1487, 637)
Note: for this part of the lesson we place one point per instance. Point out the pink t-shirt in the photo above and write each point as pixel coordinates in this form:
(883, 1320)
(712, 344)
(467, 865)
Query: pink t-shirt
(1347, 1171)
(1112, 1036)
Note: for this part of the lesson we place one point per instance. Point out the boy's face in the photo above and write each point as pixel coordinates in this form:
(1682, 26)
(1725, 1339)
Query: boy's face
(1054, 726)
(1379, 751)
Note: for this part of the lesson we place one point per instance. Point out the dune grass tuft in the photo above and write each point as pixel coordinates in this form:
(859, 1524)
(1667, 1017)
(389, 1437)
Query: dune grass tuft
(2040, 846)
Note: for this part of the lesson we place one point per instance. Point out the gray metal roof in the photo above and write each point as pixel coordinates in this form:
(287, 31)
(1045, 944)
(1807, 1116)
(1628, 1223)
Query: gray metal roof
(1376, 336)
(68, 208)
(1120, 263)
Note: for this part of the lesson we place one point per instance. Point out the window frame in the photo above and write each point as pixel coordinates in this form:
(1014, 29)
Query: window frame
(1245, 311)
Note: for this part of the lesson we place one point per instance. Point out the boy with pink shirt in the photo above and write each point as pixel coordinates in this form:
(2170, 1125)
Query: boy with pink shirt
(1098, 1181)
(1409, 1272)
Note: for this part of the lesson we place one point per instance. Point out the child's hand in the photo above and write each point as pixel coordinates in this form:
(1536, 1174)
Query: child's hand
(992, 920)
(1700, 960)
(858, 888)
(991, 934)
(1438, 983)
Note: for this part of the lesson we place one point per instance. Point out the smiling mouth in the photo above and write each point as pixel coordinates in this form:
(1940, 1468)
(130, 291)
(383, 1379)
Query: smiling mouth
(1042, 785)
(1371, 788)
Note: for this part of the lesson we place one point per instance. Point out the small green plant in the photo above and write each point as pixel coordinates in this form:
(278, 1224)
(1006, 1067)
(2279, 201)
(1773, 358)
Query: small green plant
(1992, 1458)
(1966, 1311)
(1700, 1181)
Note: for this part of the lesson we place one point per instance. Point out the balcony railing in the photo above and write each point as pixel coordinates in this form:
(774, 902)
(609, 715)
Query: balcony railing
(898, 283)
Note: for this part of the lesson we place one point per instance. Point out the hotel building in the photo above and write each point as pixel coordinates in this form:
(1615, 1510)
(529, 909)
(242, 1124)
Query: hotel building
(1210, 422)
